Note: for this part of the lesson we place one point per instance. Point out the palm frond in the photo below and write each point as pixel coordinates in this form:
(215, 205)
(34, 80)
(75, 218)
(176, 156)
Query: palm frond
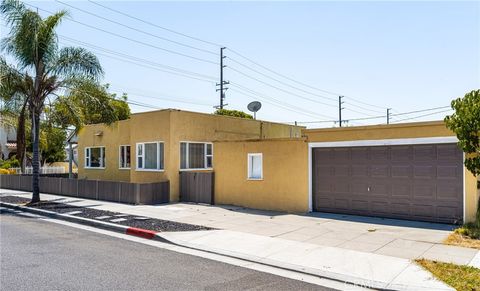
(76, 61)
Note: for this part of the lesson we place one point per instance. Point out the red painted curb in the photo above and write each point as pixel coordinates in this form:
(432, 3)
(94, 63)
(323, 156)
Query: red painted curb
(148, 234)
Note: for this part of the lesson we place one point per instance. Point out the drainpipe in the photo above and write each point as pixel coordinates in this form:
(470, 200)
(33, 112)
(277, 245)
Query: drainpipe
(70, 158)
(261, 129)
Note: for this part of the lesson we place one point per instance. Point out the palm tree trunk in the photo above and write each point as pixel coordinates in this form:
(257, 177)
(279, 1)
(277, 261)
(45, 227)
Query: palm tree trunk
(21, 138)
(36, 158)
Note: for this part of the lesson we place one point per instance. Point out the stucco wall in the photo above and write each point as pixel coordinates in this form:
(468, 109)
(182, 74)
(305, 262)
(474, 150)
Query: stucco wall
(399, 131)
(405, 130)
(285, 175)
(111, 138)
(171, 127)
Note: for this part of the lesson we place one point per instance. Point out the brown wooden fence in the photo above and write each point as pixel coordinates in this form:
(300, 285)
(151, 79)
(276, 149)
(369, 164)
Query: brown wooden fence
(132, 193)
(197, 187)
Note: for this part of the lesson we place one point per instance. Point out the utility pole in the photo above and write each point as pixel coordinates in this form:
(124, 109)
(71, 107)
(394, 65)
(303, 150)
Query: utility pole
(388, 115)
(340, 102)
(222, 82)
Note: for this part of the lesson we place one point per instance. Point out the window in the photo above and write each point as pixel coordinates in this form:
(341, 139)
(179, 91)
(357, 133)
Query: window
(150, 156)
(124, 158)
(255, 166)
(196, 155)
(95, 157)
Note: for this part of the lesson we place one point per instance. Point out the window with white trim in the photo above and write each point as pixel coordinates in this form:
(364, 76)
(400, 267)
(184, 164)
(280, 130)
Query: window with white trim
(150, 156)
(95, 157)
(124, 157)
(255, 166)
(196, 155)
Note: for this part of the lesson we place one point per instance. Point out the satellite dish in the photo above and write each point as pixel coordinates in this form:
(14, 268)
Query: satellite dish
(254, 107)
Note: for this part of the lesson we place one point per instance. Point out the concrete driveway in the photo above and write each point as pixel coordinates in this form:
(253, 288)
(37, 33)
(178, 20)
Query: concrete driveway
(391, 237)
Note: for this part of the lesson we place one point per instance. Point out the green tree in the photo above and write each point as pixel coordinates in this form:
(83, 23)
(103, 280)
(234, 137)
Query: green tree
(234, 113)
(43, 67)
(88, 103)
(465, 122)
(51, 143)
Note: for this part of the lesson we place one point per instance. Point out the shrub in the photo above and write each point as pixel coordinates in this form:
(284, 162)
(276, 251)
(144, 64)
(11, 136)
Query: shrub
(10, 163)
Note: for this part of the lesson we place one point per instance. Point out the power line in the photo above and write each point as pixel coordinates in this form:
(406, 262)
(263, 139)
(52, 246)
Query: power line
(295, 87)
(256, 97)
(131, 39)
(279, 102)
(280, 89)
(420, 116)
(136, 29)
(279, 81)
(155, 25)
(418, 111)
(143, 61)
(298, 82)
(177, 100)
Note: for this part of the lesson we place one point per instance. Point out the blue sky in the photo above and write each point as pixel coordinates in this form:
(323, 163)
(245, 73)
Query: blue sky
(403, 55)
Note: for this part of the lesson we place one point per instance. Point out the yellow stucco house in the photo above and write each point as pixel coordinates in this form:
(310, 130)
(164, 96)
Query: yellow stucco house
(407, 171)
(158, 145)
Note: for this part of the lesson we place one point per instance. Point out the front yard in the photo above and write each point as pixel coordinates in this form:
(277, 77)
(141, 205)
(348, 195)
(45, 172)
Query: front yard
(459, 277)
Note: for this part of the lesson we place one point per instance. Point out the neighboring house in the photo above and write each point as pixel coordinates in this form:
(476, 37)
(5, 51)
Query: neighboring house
(408, 171)
(8, 141)
(158, 145)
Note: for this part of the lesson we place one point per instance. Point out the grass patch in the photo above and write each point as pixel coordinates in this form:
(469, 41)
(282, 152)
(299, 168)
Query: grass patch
(459, 277)
(468, 235)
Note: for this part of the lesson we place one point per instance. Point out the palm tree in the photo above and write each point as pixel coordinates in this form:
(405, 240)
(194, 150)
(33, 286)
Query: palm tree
(43, 67)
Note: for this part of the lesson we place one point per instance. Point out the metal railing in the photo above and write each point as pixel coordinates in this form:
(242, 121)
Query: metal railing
(43, 170)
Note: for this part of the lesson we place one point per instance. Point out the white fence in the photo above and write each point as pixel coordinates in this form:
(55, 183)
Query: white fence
(43, 170)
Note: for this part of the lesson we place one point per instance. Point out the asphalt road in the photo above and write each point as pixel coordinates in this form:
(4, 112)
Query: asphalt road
(40, 255)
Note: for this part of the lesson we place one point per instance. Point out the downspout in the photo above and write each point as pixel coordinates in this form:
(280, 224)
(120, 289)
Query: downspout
(70, 161)
(261, 129)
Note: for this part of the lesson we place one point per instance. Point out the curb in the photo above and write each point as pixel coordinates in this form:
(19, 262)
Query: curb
(153, 235)
(139, 232)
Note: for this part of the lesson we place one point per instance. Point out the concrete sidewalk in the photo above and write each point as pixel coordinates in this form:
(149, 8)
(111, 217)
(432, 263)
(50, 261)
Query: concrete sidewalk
(362, 250)
(359, 268)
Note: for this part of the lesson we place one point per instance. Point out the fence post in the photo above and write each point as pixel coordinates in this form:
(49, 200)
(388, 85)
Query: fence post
(137, 193)
(96, 189)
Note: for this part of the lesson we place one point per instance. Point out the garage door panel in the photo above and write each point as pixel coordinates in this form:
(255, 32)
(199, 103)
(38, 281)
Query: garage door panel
(360, 155)
(424, 191)
(359, 171)
(381, 207)
(380, 170)
(425, 153)
(341, 155)
(423, 210)
(342, 204)
(401, 191)
(401, 154)
(421, 182)
(401, 171)
(360, 205)
(400, 209)
(448, 152)
(449, 172)
(341, 171)
(424, 172)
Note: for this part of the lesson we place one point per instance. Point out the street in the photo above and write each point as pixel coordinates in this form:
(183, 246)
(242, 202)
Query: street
(41, 255)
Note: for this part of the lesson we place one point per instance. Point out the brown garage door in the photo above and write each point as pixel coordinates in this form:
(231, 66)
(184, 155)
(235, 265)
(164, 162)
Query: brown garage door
(418, 182)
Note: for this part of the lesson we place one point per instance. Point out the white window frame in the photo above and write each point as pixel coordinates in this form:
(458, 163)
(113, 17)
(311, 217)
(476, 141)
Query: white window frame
(143, 156)
(125, 157)
(88, 157)
(249, 166)
(186, 156)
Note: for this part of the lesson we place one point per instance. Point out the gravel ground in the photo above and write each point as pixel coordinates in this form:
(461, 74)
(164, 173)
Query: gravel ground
(130, 220)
